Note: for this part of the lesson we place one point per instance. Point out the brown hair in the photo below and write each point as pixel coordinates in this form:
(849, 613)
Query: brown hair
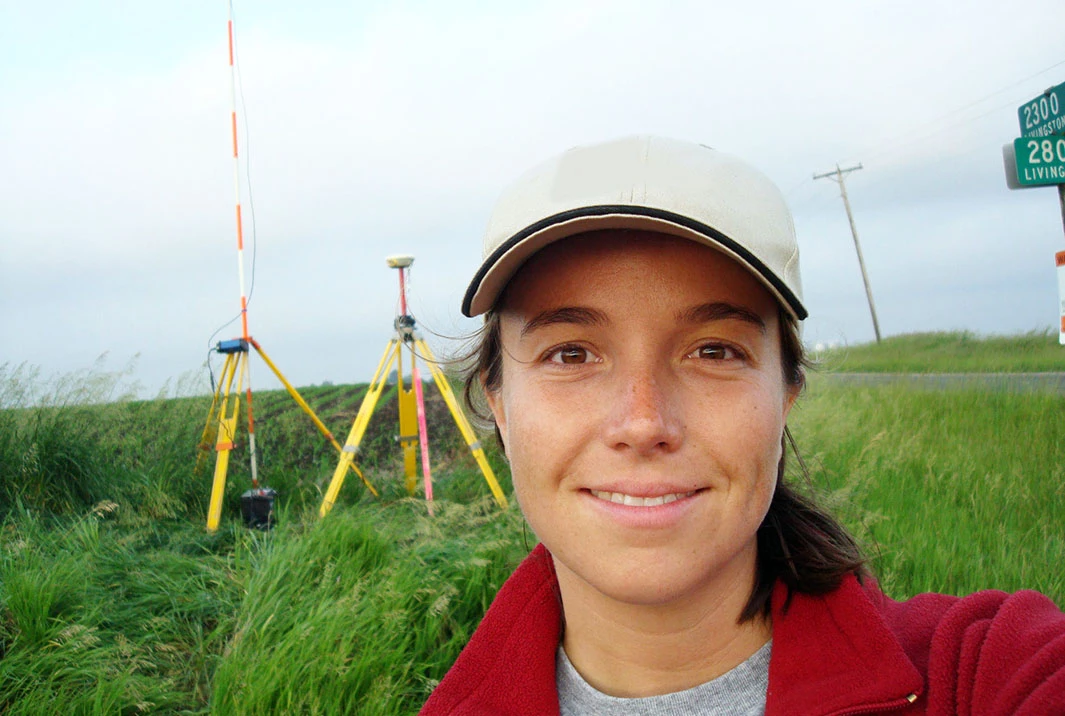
(799, 543)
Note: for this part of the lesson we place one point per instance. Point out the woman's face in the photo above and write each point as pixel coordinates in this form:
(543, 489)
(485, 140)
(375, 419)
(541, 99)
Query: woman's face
(642, 407)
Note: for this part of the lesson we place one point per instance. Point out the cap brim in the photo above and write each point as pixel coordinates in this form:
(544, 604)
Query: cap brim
(497, 270)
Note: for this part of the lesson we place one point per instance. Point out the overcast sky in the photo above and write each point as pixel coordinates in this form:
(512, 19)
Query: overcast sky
(370, 129)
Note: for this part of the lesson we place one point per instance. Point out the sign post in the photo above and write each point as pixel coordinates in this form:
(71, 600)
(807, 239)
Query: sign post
(1037, 158)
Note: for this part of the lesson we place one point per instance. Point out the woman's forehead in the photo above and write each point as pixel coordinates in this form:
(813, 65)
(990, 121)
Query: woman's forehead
(620, 264)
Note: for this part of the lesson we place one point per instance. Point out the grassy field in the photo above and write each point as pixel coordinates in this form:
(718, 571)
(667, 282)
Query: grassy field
(957, 352)
(950, 491)
(113, 598)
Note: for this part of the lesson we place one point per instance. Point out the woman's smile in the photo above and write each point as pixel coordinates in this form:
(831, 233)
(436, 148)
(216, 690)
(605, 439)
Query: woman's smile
(622, 498)
(644, 518)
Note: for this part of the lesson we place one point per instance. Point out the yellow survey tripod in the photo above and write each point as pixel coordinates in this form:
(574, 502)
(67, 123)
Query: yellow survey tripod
(412, 427)
(221, 428)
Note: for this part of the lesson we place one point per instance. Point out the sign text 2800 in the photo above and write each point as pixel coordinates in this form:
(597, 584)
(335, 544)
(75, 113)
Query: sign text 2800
(1040, 161)
(1046, 151)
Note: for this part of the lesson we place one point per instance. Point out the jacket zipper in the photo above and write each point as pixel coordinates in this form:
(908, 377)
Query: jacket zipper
(886, 706)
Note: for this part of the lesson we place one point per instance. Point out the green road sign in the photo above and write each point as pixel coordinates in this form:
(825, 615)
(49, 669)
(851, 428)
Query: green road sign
(1044, 115)
(1040, 160)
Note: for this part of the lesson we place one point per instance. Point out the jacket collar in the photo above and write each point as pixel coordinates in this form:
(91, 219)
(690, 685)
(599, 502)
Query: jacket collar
(508, 666)
(834, 654)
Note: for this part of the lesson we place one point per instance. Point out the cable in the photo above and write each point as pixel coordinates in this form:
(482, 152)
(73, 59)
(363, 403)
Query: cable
(934, 132)
(906, 139)
(210, 370)
(791, 191)
(247, 165)
(220, 329)
(902, 142)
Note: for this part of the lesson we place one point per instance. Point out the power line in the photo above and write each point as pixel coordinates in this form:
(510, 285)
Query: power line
(908, 138)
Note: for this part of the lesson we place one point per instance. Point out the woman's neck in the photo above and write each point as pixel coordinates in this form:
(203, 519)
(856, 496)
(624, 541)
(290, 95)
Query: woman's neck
(632, 650)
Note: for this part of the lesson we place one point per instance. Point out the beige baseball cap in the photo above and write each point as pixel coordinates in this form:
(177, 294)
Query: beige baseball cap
(651, 184)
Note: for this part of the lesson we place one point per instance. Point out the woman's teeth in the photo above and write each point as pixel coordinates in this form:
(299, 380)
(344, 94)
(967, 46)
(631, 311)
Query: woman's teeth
(631, 500)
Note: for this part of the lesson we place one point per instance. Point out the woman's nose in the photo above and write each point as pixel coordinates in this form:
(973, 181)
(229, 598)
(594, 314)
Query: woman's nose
(646, 415)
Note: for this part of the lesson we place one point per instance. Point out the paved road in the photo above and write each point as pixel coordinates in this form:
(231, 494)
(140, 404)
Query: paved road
(1013, 382)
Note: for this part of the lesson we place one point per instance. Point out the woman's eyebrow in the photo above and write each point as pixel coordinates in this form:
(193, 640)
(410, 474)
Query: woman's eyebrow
(566, 314)
(720, 311)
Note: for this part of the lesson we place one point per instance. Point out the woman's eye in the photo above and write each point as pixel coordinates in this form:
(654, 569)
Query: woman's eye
(570, 355)
(716, 351)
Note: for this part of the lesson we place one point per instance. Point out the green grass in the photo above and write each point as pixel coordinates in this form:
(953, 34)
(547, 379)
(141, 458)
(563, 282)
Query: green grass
(957, 352)
(951, 491)
(365, 611)
(113, 598)
(362, 612)
(99, 619)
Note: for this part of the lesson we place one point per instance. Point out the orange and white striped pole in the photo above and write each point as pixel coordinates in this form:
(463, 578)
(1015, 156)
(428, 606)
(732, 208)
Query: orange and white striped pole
(240, 249)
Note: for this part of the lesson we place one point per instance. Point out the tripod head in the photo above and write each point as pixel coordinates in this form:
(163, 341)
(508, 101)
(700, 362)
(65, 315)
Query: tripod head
(404, 323)
(399, 261)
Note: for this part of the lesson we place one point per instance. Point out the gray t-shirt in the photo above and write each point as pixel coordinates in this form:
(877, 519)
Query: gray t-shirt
(739, 692)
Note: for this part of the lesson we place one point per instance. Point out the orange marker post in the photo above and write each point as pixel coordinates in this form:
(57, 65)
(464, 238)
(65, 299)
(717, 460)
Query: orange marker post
(1059, 258)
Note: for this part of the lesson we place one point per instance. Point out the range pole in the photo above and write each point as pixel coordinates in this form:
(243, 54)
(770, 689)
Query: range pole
(837, 176)
(245, 336)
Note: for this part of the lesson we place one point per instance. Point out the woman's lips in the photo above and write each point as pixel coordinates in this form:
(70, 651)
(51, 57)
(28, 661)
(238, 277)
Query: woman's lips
(622, 498)
(643, 507)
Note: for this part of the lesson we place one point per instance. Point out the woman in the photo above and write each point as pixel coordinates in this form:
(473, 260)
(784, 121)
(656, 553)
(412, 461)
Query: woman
(640, 357)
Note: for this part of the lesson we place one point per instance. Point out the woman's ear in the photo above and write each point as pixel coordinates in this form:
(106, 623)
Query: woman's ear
(499, 413)
(791, 393)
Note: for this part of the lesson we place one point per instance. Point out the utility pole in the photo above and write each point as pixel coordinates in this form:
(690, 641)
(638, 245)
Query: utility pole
(837, 176)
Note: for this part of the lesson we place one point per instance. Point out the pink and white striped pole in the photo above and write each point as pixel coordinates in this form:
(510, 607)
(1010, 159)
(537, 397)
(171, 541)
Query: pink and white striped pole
(419, 398)
(423, 432)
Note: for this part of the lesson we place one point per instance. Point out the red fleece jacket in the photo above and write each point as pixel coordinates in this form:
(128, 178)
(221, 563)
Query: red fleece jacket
(849, 652)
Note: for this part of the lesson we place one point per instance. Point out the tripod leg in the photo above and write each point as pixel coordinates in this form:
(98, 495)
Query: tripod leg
(226, 432)
(358, 429)
(463, 424)
(408, 427)
(295, 395)
(210, 432)
(307, 409)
